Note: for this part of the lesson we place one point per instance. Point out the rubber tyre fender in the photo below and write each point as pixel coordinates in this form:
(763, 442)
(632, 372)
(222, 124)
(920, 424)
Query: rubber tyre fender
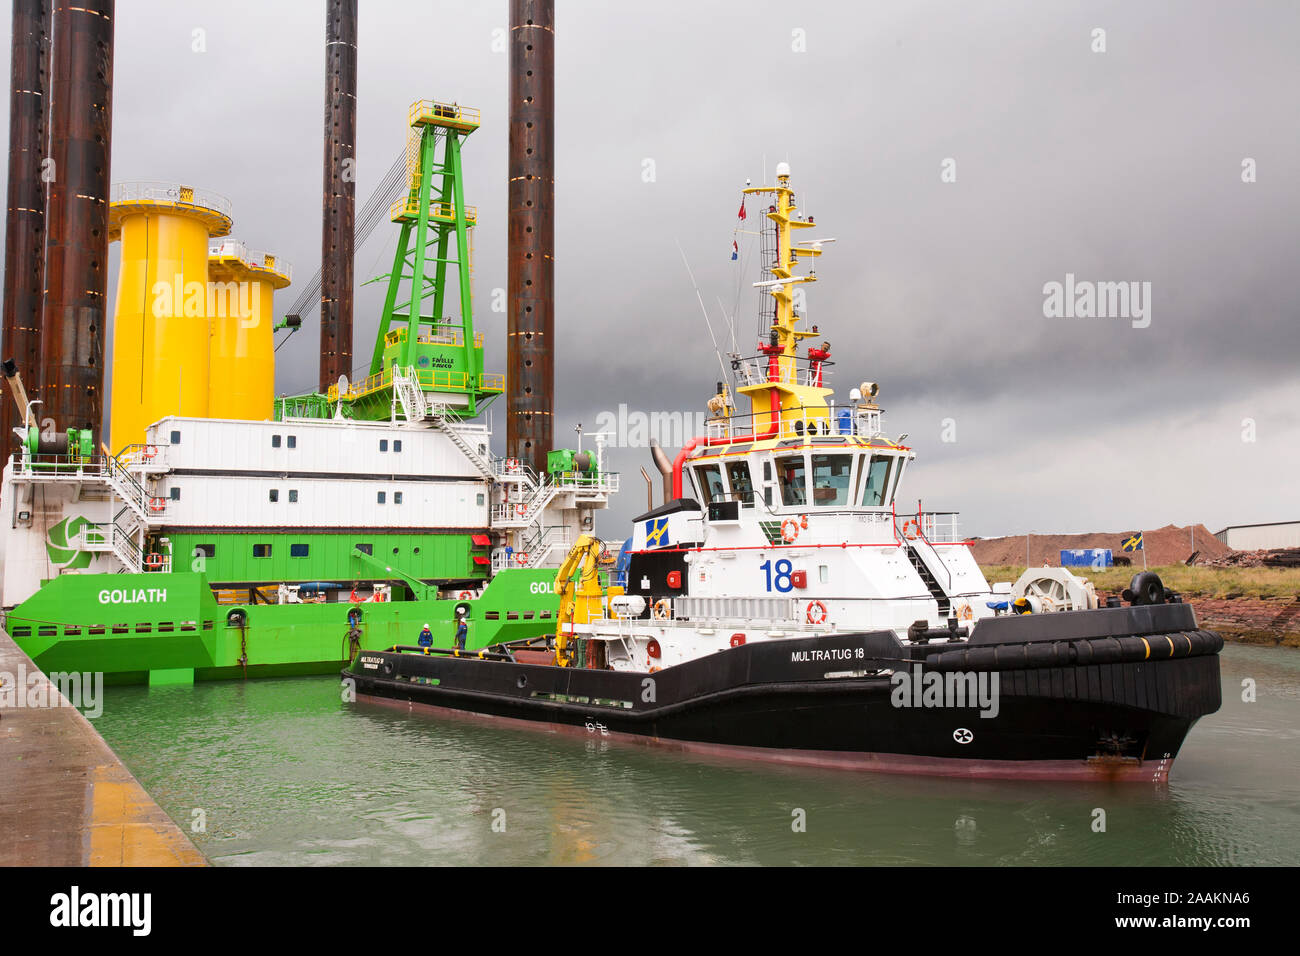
(1132, 649)
(1146, 588)
(1040, 655)
(1104, 650)
(1010, 657)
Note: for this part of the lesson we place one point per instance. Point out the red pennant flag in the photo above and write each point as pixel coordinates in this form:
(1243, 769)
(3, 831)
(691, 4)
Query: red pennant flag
(741, 214)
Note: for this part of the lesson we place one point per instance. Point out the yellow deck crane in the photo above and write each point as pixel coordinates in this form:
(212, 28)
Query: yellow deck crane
(580, 600)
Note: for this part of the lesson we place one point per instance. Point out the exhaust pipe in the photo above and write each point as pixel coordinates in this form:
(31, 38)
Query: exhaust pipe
(649, 490)
(665, 468)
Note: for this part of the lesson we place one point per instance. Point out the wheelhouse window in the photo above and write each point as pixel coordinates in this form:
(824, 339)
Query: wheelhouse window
(877, 481)
(274, 494)
(261, 550)
(275, 441)
(205, 550)
(830, 479)
(709, 478)
(742, 488)
(790, 473)
(292, 440)
(383, 444)
(299, 550)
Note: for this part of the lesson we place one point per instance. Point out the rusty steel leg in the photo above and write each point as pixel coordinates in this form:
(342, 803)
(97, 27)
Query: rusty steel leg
(531, 234)
(25, 223)
(76, 246)
(339, 200)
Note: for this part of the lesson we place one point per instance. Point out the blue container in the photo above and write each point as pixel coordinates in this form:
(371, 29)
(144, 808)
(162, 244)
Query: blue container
(1087, 558)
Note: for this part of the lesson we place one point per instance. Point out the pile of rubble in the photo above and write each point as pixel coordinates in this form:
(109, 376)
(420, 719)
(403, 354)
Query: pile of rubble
(1267, 558)
(1168, 545)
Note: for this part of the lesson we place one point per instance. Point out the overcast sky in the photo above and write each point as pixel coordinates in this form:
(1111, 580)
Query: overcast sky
(1123, 165)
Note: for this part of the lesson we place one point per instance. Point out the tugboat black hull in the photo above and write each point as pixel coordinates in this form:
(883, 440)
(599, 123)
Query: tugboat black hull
(1074, 703)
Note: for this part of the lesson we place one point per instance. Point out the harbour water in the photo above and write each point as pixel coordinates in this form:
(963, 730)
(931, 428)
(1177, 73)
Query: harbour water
(285, 772)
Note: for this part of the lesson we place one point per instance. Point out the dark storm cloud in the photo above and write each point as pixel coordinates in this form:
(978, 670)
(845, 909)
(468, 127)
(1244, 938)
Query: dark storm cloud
(1115, 166)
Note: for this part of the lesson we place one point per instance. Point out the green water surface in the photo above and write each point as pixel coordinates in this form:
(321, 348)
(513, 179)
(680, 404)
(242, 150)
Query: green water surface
(285, 772)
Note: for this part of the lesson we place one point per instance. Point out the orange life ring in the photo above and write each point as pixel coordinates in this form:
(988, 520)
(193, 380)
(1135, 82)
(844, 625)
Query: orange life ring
(661, 610)
(789, 530)
(653, 650)
(915, 532)
(153, 560)
(816, 613)
(512, 464)
(465, 595)
(521, 510)
(148, 452)
(521, 558)
(157, 504)
(966, 613)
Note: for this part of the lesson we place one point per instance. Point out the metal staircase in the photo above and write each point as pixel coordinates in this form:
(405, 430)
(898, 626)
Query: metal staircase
(482, 465)
(538, 493)
(416, 408)
(931, 584)
(116, 538)
(137, 510)
(407, 391)
(147, 508)
(540, 545)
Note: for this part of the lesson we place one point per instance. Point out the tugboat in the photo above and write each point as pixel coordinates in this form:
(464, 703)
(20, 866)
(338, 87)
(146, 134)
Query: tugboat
(781, 608)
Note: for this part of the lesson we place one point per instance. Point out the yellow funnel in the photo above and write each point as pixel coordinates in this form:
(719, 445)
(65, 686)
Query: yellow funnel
(241, 382)
(160, 338)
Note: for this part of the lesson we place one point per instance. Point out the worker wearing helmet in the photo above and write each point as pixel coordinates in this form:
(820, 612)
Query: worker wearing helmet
(426, 637)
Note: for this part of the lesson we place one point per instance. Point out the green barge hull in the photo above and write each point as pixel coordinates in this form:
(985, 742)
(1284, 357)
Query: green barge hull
(170, 629)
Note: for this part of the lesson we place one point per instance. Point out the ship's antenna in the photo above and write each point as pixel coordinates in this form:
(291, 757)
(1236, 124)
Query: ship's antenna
(731, 323)
(722, 366)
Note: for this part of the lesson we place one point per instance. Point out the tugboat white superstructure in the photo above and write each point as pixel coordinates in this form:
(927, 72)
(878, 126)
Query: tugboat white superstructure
(778, 605)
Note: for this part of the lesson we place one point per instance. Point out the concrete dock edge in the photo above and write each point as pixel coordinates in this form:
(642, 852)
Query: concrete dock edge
(65, 797)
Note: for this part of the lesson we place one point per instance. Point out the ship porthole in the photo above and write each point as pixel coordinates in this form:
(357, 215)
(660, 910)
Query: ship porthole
(521, 681)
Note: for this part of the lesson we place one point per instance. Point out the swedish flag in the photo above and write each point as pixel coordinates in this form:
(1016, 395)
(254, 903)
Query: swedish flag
(1132, 543)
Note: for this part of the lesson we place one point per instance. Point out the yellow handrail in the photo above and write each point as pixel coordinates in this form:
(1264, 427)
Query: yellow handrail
(449, 114)
(428, 378)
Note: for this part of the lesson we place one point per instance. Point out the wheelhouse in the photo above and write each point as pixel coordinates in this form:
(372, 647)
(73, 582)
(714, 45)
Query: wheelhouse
(848, 478)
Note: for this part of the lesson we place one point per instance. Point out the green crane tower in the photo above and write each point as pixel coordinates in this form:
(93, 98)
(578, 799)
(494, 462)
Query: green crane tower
(419, 343)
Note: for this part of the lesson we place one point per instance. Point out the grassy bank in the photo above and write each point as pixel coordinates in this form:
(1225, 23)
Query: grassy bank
(1193, 582)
